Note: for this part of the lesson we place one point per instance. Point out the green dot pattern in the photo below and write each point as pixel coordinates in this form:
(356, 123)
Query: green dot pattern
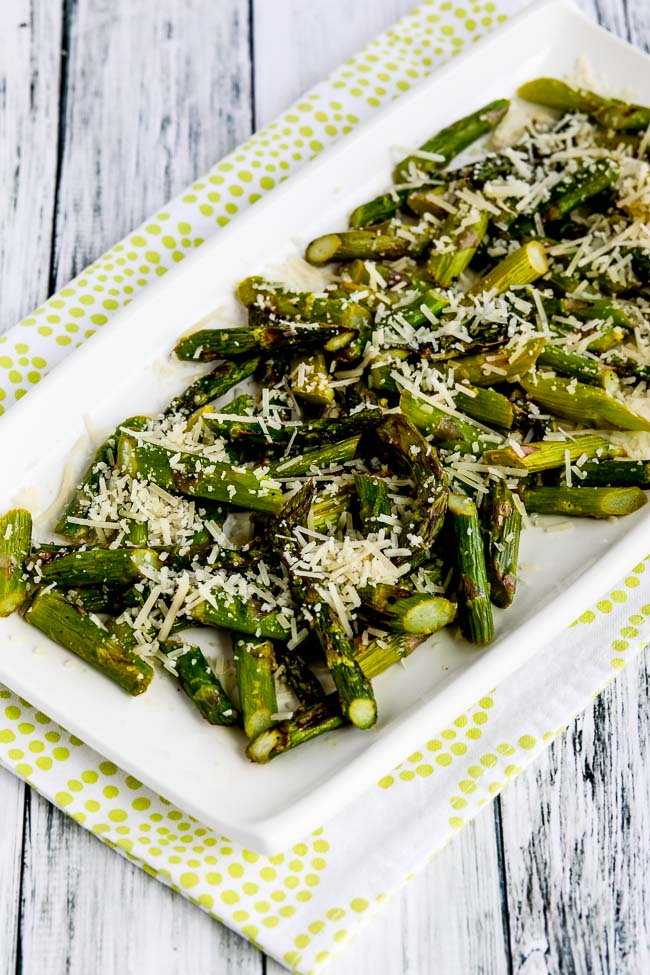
(305, 904)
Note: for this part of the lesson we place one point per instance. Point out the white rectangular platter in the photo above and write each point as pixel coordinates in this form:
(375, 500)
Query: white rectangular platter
(126, 370)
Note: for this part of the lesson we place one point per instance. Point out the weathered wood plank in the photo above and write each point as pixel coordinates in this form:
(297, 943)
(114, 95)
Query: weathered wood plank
(87, 910)
(30, 42)
(12, 793)
(612, 14)
(297, 44)
(447, 920)
(576, 842)
(153, 94)
(29, 90)
(629, 19)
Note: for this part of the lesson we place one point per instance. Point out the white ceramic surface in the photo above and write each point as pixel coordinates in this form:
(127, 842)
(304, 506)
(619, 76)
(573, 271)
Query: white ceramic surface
(126, 370)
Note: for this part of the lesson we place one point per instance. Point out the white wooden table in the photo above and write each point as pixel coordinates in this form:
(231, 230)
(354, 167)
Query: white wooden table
(108, 108)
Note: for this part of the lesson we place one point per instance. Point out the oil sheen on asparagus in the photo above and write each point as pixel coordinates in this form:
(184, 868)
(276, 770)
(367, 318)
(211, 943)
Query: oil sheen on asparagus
(351, 471)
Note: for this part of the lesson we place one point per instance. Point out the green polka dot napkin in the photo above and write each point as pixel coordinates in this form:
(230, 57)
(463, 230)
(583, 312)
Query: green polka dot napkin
(303, 905)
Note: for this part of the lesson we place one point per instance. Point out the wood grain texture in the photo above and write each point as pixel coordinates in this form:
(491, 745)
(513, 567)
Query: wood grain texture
(30, 58)
(86, 910)
(12, 797)
(447, 921)
(30, 61)
(152, 95)
(630, 19)
(575, 830)
(298, 43)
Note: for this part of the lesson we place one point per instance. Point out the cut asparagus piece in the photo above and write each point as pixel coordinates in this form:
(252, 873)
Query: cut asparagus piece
(303, 436)
(15, 547)
(584, 502)
(582, 367)
(102, 567)
(305, 724)
(348, 245)
(502, 524)
(101, 599)
(322, 308)
(196, 475)
(422, 201)
(101, 464)
(605, 335)
(439, 150)
(310, 380)
(605, 310)
(386, 205)
(499, 366)
(328, 508)
(611, 113)
(434, 422)
(446, 266)
(573, 191)
(209, 344)
(212, 386)
(627, 366)
(378, 655)
(523, 266)
(138, 533)
(475, 611)
(381, 208)
(485, 405)
(375, 275)
(581, 403)
(350, 352)
(355, 693)
(481, 171)
(243, 429)
(417, 311)
(85, 492)
(372, 494)
(201, 684)
(547, 454)
(298, 676)
(407, 444)
(615, 473)
(240, 615)
(243, 405)
(313, 461)
(610, 322)
(404, 611)
(381, 377)
(73, 629)
(255, 668)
